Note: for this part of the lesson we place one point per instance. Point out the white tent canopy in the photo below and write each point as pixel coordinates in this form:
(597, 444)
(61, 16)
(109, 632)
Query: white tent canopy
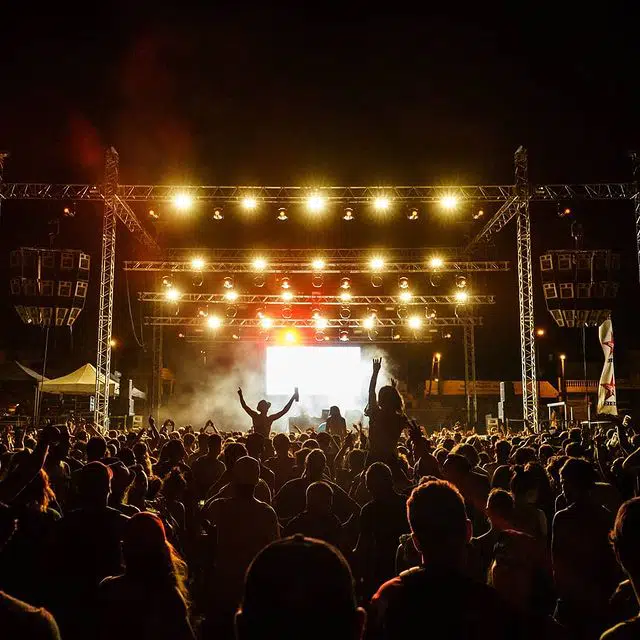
(81, 382)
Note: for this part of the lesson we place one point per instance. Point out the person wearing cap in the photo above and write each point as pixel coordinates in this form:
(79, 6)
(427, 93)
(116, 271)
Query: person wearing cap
(244, 525)
(261, 421)
(299, 588)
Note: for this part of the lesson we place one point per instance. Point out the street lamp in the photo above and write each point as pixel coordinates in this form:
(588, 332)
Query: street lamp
(563, 391)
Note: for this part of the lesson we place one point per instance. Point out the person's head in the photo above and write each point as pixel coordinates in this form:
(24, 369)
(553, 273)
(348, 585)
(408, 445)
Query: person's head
(214, 445)
(469, 452)
(281, 444)
(93, 484)
(524, 486)
(174, 485)
(189, 440)
(624, 538)
(319, 498)
(121, 478)
(334, 411)
(285, 584)
(149, 557)
(38, 493)
(456, 467)
(574, 449)
(324, 440)
(545, 452)
(578, 479)
(263, 407)
(203, 442)
(96, 448)
(390, 400)
(500, 509)
(244, 476)
(139, 488)
(439, 523)
(524, 455)
(575, 435)
(255, 445)
(232, 452)
(314, 464)
(501, 478)
(173, 452)
(356, 459)
(378, 480)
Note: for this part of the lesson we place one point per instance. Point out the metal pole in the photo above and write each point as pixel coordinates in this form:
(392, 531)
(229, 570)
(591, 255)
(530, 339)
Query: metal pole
(107, 282)
(525, 293)
(635, 166)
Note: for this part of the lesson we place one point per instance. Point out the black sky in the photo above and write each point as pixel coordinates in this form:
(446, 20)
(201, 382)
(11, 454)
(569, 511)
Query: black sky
(333, 93)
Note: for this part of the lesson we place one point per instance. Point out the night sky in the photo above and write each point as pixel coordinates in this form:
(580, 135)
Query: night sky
(324, 94)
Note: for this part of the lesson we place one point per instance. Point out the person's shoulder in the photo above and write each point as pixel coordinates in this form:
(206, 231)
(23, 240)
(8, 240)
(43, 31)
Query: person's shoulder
(624, 631)
(390, 590)
(29, 621)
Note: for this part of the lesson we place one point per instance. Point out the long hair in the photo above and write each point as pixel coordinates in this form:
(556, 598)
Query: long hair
(150, 558)
(38, 493)
(390, 400)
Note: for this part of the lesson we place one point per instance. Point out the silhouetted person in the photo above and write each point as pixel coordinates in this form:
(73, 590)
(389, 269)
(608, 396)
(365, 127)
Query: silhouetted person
(207, 469)
(317, 520)
(437, 599)
(283, 463)
(149, 600)
(336, 424)
(261, 422)
(299, 588)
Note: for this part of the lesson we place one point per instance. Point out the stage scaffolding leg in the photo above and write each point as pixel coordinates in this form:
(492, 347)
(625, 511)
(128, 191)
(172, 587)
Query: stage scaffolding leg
(107, 281)
(525, 293)
(635, 164)
(156, 370)
(470, 374)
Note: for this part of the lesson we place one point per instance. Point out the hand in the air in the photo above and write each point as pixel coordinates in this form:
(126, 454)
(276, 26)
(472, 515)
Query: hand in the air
(377, 364)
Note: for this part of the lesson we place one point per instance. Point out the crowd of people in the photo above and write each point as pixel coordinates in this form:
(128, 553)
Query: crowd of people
(386, 532)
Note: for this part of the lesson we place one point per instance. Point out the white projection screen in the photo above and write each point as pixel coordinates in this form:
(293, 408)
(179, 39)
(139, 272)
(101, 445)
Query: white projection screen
(334, 372)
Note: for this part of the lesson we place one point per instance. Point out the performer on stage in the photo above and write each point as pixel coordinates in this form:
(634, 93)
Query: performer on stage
(261, 421)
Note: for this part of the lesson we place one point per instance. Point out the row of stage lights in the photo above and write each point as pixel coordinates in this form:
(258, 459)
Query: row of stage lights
(316, 203)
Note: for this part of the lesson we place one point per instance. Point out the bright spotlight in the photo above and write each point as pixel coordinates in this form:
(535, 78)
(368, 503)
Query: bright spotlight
(403, 283)
(213, 322)
(183, 201)
(321, 323)
(412, 214)
(318, 264)
(461, 296)
(437, 356)
(197, 264)
(287, 296)
(282, 214)
(449, 202)
(415, 322)
(259, 264)
(405, 296)
(227, 283)
(231, 295)
(436, 262)
(381, 203)
(345, 283)
(348, 215)
(285, 283)
(376, 263)
(172, 294)
(316, 203)
(369, 322)
(345, 296)
(113, 343)
(249, 203)
(461, 282)
(344, 336)
(290, 337)
(266, 322)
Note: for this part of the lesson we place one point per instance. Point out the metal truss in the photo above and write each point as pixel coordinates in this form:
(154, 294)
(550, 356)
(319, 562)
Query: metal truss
(247, 335)
(130, 220)
(154, 296)
(525, 293)
(470, 390)
(331, 267)
(156, 369)
(107, 281)
(499, 219)
(309, 323)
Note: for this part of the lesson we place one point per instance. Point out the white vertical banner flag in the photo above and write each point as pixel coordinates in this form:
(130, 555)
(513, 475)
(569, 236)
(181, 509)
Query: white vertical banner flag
(607, 402)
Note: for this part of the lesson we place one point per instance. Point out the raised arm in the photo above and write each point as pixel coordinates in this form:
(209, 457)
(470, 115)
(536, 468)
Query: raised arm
(377, 365)
(245, 406)
(285, 409)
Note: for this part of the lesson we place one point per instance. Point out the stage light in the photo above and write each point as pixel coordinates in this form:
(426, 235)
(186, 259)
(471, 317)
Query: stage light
(403, 283)
(287, 296)
(449, 202)
(437, 356)
(376, 281)
(395, 336)
(540, 332)
(402, 312)
(317, 281)
(214, 322)
(316, 203)
(227, 283)
(315, 313)
(113, 343)
(446, 335)
(197, 264)
(461, 282)
(69, 212)
(345, 296)
(345, 283)
(344, 336)
(415, 322)
(345, 313)
(182, 201)
(290, 337)
(202, 312)
(266, 322)
(235, 336)
(167, 281)
(153, 214)
(405, 296)
(197, 279)
(563, 356)
(259, 264)
(172, 294)
(436, 262)
(369, 322)
(287, 312)
(285, 283)
(412, 214)
(320, 337)
(461, 296)
(376, 263)
(430, 314)
(348, 214)
(321, 323)
(249, 203)
(477, 216)
(381, 203)
(318, 264)
(231, 295)
(181, 335)
(217, 214)
(282, 214)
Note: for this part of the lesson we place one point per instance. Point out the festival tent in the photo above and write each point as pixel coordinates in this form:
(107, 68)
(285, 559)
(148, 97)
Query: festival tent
(13, 371)
(81, 382)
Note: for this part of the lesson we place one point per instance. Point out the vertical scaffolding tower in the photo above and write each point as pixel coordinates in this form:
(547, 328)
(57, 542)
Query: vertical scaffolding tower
(470, 390)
